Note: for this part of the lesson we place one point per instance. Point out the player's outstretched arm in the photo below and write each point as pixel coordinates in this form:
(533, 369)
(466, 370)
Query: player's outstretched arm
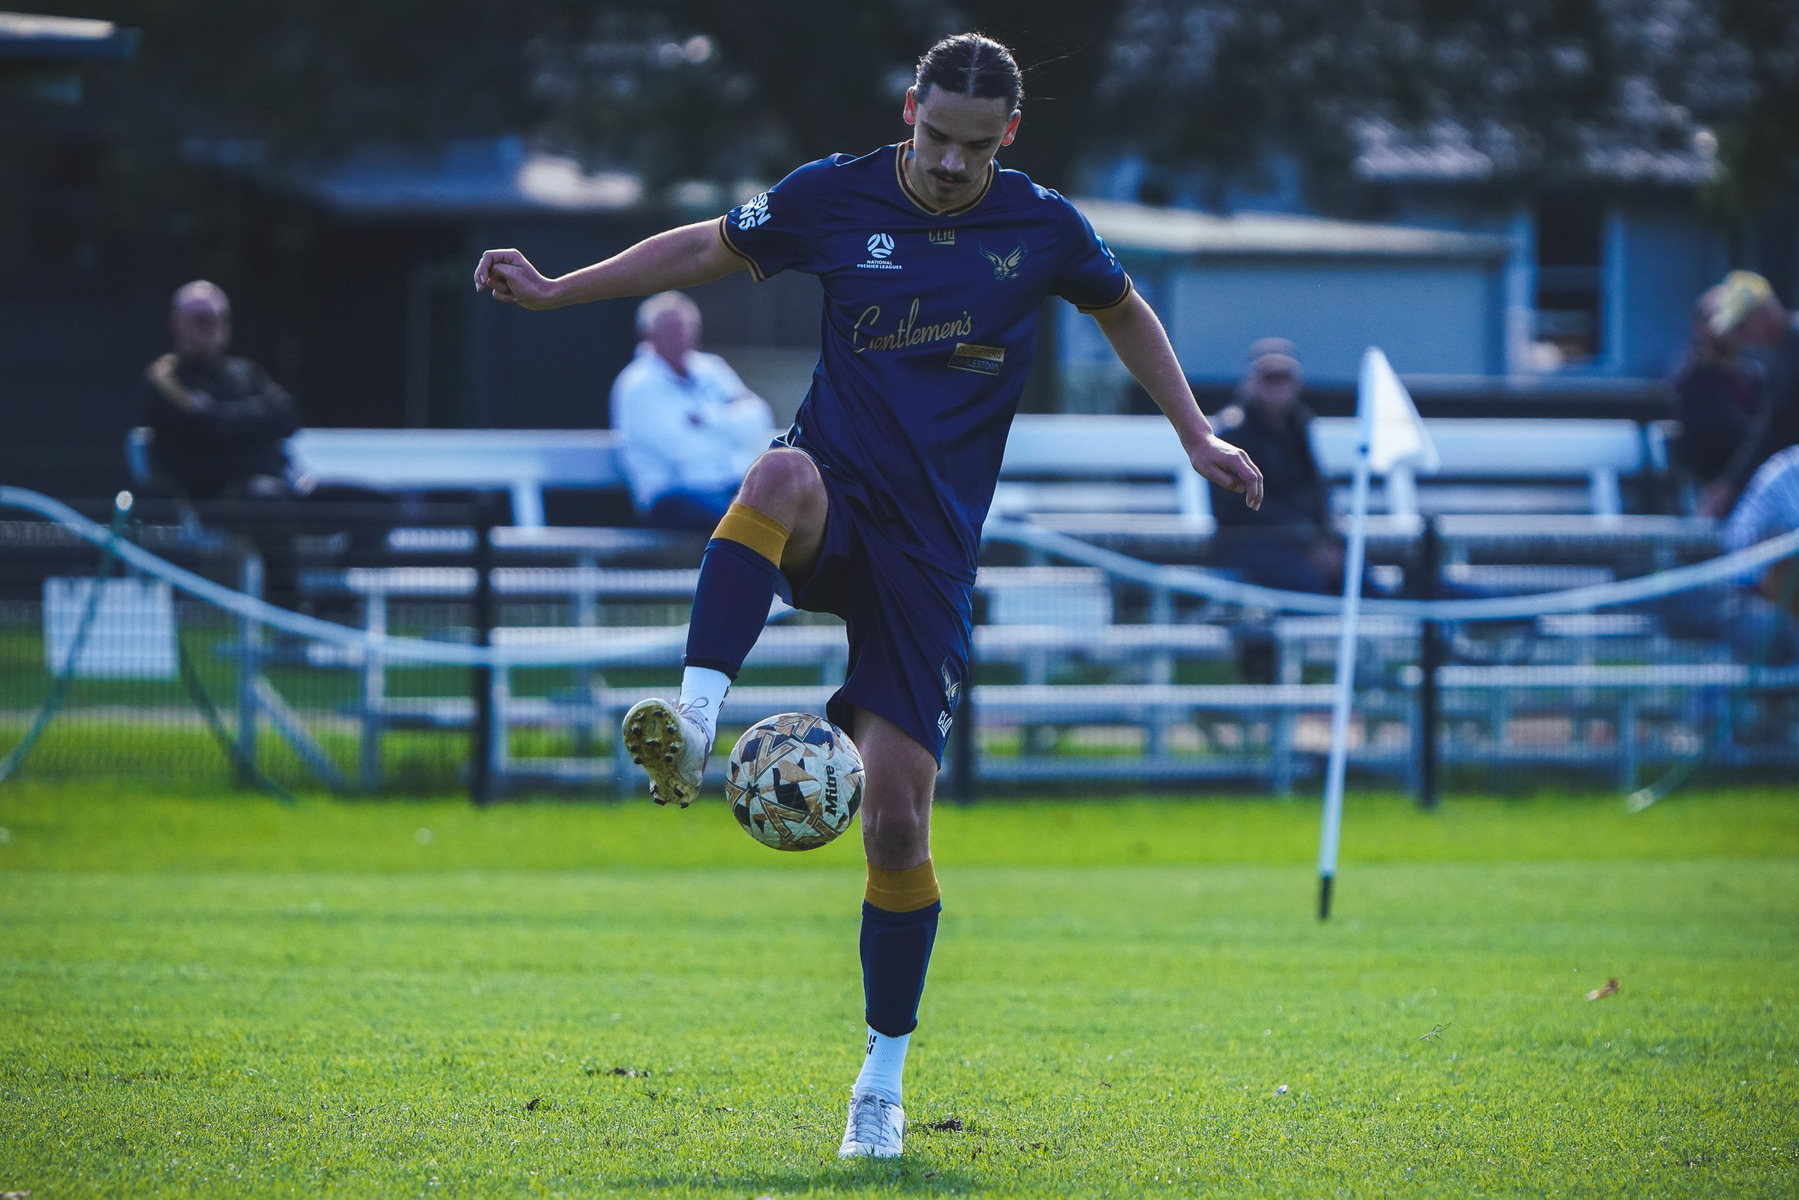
(1142, 345)
(684, 257)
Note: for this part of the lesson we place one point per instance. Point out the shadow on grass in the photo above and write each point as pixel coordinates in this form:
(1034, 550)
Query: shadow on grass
(845, 1178)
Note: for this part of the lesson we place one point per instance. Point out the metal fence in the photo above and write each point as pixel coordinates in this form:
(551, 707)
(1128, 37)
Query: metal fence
(419, 649)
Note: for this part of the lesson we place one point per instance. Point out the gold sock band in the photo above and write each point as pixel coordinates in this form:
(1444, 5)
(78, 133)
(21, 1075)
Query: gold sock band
(903, 891)
(753, 528)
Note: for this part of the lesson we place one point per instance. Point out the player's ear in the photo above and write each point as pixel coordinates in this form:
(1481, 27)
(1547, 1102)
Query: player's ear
(911, 110)
(1011, 128)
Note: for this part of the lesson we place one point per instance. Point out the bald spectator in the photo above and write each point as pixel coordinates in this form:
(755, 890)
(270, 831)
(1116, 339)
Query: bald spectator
(220, 421)
(688, 427)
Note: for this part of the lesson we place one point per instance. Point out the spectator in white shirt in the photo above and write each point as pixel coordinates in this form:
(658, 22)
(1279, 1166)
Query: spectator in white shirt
(688, 427)
(1768, 508)
(1760, 628)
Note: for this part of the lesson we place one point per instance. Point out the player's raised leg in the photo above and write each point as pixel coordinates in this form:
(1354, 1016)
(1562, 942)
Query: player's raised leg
(899, 925)
(777, 523)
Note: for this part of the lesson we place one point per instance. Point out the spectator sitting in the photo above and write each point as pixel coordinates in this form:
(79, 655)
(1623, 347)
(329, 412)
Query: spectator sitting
(1749, 617)
(1288, 543)
(1745, 313)
(688, 427)
(1720, 398)
(220, 421)
(1769, 508)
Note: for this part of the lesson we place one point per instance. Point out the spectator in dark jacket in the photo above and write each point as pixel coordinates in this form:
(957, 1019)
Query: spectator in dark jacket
(1287, 543)
(220, 421)
(1738, 388)
(1719, 397)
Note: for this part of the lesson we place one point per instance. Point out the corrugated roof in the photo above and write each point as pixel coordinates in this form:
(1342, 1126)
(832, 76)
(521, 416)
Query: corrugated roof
(1179, 231)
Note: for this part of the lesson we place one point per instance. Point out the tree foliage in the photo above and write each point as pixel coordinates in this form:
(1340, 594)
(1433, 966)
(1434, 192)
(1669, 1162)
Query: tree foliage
(705, 89)
(1544, 89)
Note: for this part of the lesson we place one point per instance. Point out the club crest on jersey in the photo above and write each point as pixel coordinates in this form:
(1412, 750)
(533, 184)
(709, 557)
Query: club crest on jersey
(1005, 266)
(752, 212)
(880, 253)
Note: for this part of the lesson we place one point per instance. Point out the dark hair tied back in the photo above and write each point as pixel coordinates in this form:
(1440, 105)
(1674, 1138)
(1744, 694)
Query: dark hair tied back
(971, 64)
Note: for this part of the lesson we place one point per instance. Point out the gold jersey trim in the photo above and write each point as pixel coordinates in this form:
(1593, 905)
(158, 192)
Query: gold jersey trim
(724, 236)
(1129, 287)
(918, 201)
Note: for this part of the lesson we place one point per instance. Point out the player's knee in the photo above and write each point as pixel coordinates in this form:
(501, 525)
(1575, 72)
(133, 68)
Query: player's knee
(896, 823)
(784, 479)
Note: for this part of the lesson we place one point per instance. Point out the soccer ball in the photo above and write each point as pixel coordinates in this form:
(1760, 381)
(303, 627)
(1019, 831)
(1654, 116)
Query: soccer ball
(794, 781)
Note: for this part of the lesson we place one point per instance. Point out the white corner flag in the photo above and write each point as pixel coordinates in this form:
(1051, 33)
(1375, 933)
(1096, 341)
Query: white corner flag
(1391, 434)
(1396, 433)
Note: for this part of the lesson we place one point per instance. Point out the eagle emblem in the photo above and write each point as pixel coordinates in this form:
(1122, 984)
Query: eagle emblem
(1005, 266)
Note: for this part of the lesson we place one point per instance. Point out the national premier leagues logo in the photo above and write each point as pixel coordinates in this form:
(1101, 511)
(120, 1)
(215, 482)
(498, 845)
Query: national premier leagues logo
(1005, 266)
(880, 254)
(753, 212)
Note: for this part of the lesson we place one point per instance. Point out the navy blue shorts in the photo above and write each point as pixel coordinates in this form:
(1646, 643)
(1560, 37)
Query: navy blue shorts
(909, 624)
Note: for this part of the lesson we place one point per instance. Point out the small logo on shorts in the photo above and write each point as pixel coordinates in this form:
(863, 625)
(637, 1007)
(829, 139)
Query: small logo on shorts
(952, 691)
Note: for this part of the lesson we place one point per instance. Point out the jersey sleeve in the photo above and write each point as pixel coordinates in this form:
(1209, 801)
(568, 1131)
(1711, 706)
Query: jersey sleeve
(777, 230)
(1091, 277)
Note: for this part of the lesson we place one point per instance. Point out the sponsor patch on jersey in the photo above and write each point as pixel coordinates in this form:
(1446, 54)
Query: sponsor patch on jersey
(982, 360)
(941, 237)
(752, 212)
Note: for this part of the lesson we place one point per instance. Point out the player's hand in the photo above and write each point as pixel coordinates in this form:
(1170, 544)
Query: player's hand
(1229, 468)
(512, 279)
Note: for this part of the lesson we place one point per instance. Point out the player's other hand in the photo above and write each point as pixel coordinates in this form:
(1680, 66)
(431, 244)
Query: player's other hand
(512, 279)
(1229, 468)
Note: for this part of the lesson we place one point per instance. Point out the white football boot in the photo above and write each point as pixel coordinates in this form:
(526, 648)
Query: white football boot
(875, 1128)
(670, 746)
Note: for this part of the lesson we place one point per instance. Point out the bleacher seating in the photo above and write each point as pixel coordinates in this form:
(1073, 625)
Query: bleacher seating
(1520, 506)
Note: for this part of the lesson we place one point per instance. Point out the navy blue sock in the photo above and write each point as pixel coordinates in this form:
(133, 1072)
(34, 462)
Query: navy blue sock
(730, 605)
(896, 950)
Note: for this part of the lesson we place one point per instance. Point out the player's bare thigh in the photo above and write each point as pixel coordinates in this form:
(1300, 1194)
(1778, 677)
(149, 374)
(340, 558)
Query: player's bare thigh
(899, 778)
(785, 484)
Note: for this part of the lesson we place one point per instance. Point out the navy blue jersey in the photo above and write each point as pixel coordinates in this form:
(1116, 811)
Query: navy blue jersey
(930, 322)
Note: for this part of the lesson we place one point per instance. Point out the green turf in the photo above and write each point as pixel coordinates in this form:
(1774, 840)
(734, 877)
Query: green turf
(213, 995)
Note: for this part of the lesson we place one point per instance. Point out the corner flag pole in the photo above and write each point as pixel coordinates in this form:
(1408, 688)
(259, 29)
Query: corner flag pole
(1346, 648)
(1389, 433)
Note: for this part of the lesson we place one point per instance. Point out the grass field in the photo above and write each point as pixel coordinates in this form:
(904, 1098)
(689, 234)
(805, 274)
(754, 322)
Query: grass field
(213, 995)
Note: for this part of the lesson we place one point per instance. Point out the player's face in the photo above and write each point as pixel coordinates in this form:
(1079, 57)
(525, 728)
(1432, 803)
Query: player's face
(955, 137)
(201, 327)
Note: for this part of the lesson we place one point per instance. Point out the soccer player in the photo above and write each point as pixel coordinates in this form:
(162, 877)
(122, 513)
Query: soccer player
(935, 263)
